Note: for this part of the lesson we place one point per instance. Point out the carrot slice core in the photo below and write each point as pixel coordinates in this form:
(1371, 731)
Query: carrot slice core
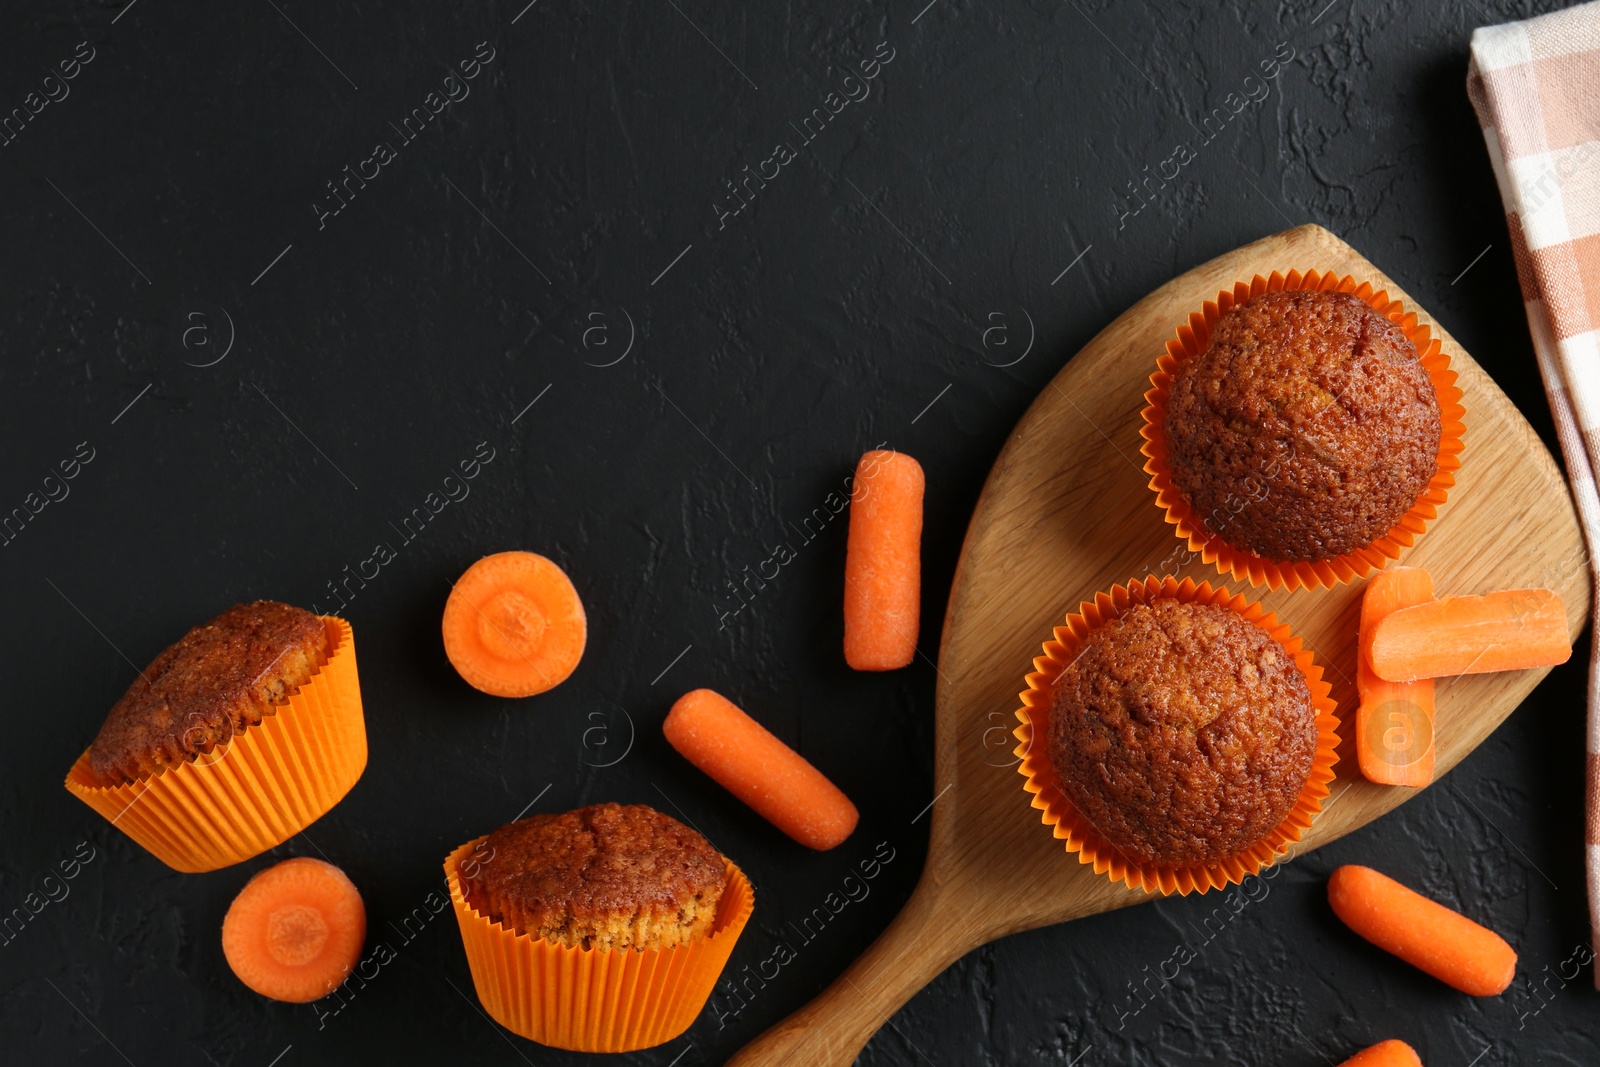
(296, 935)
(510, 625)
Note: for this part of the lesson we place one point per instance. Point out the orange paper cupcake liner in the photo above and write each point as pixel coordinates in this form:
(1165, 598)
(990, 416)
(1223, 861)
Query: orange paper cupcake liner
(1069, 825)
(1192, 339)
(591, 999)
(261, 788)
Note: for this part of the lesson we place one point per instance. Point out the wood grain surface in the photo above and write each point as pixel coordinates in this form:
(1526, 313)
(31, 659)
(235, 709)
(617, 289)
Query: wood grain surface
(1066, 512)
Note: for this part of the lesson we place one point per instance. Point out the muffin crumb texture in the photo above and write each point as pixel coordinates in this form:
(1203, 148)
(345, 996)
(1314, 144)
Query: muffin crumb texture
(606, 876)
(1306, 429)
(1182, 732)
(217, 679)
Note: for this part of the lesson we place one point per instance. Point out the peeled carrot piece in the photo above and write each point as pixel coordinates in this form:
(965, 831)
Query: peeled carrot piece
(1424, 933)
(1390, 1053)
(883, 562)
(1394, 726)
(748, 761)
(295, 930)
(1505, 631)
(513, 625)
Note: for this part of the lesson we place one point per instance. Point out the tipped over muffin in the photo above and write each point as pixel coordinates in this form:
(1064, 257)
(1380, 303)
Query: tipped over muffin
(1181, 732)
(217, 680)
(606, 876)
(1306, 429)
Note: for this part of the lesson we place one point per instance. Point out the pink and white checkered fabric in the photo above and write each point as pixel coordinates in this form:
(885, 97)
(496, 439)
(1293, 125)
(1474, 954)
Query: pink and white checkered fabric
(1536, 88)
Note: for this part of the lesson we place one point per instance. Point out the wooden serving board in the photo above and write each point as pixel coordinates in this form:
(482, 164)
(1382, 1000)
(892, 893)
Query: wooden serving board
(1066, 512)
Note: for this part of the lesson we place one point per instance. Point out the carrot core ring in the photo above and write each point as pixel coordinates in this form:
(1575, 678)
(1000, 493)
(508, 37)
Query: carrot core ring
(296, 935)
(510, 625)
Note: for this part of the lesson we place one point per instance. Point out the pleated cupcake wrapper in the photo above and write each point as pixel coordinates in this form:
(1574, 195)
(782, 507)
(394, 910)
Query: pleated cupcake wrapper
(261, 788)
(1191, 340)
(594, 999)
(1068, 824)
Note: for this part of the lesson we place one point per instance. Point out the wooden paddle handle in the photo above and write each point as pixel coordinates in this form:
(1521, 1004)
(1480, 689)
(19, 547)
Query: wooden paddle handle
(833, 1029)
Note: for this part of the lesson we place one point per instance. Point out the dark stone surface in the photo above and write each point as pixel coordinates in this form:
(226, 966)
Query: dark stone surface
(457, 288)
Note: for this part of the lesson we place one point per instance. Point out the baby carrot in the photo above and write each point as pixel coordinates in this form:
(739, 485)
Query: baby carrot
(1504, 631)
(883, 562)
(748, 761)
(1394, 726)
(1424, 933)
(1390, 1053)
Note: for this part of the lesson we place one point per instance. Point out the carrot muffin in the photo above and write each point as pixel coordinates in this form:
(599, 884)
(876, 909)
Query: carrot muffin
(1182, 733)
(1306, 429)
(606, 876)
(218, 679)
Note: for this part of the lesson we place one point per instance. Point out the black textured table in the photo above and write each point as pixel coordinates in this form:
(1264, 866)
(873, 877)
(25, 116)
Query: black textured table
(273, 270)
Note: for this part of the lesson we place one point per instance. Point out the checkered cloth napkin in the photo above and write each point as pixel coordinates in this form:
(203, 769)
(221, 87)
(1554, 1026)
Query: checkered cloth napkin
(1536, 88)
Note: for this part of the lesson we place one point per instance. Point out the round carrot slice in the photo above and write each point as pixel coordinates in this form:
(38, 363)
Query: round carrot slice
(514, 626)
(295, 930)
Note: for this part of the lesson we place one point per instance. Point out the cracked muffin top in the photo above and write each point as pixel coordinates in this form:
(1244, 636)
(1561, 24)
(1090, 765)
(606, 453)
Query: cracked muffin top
(1306, 429)
(607, 876)
(218, 679)
(1183, 733)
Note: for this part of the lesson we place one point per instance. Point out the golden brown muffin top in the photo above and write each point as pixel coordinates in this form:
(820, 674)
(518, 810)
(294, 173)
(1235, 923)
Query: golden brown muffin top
(217, 679)
(611, 874)
(1182, 732)
(1306, 429)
